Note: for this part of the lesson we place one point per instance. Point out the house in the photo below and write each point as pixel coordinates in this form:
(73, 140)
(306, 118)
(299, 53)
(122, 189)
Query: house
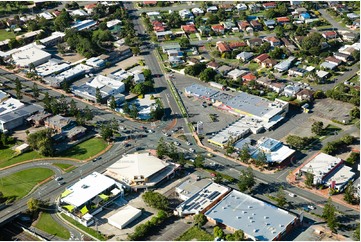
(305, 95)
(138, 77)
(348, 36)
(164, 35)
(241, 7)
(193, 61)
(213, 65)
(329, 35)
(249, 77)
(323, 75)
(353, 16)
(347, 51)
(295, 71)
(224, 69)
(90, 7)
(341, 56)
(197, 11)
(290, 90)
(226, 7)
(204, 30)
(236, 73)
(333, 60)
(175, 60)
(290, 46)
(283, 20)
(254, 42)
(257, 26)
(236, 44)
(269, 23)
(300, 10)
(274, 41)
(174, 53)
(269, 5)
(174, 46)
(212, 9)
(254, 8)
(228, 25)
(189, 29)
(186, 14)
(284, 65)
(37, 120)
(218, 28)
(222, 47)
(244, 56)
(304, 16)
(273, 85)
(242, 25)
(328, 65)
(268, 63)
(59, 123)
(149, 3)
(261, 58)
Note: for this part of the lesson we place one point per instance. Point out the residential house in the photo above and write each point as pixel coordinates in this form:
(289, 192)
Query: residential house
(305, 16)
(186, 14)
(244, 56)
(227, 7)
(347, 51)
(197, 11)
(261, 58)
(329, 35)
(213, 65)
(284, 65)
(305, 95)
(353, 16)
(328, 65)
(175, 60)
(356, 23)
(348, 36)
(223, 70)
(274, 41)
(193, 61)
(149, 3)
(341, 56)
(174, 53)
(223, 47)
(212, 9)
(299, 39)
(273, 85)
(269, 5)
(236, 44)
(254, 42)
(257, 26)
(37, 120)
(323, 75)
(243, 25)
(218, 28)
(295, 71)
(268, 63)
(138, 77)
(164, 35)
(236, 73)
(204, 30)
(333, 60)
(291, 90)
(283, 20)
(300, 10)
(228, 25)
(290, 46)
(249, 77)
(90, 7)
(241, 7)
(269, 23)
(254, 8)
(174, 46)
(59, 123)
(189, 29)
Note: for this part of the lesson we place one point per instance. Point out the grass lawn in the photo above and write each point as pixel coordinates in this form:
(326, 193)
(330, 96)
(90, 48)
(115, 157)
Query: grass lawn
(6, 35)
(253, 66)
(47, 224)
(85, 149)
(20, 183)
(195, 233)
(86, 229)
(64, 166)
(7, 159)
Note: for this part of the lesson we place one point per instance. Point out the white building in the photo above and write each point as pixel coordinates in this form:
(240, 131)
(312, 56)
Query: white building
(340, 177)
(51, 67)
(107, 84)
(138, 77)
(113, 23)
(190, 187)
(124, 217)
(69, 75)
(34, 55)
(9, 105)
(46, 15)
(78, 12)
(53, 39)
(236, 73)
(95, 62)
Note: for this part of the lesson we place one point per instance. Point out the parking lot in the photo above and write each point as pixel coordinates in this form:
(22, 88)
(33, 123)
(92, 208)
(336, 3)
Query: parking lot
(199, 112)
(332, 109)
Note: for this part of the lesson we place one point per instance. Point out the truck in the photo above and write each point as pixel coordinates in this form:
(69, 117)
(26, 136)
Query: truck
(217, 85)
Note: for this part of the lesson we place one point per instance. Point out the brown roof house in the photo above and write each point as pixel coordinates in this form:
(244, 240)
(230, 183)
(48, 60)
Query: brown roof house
(59, 123)
(305, 95)
(222, 47)
(261, 58)
(268, 63)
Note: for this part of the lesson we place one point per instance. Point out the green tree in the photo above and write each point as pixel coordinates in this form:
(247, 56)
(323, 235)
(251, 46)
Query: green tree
(349, 194)
(309, 179)
(54, 105)
(46, 102)
(348, 139)
(65, 86)
(174, 20)
(156, 200)
(18, 88)
(356, 234)
(218, 232)
(355, 113)
(246, 180)
(33, 205)
(270, 13)
(244, 154)
(162, 148)
(133, 111)
(112, 103)
(329, 213)
(126, 108)
(199, 161)
(36, 91)
(63, 21)
(184, 43)
(279, 31)
(330, 148)
(207, 75)
(41, 141)
(296, 142)
(238, 235)
(317, 127)
(106, 132)
(88, 114)
(312, 43)
(276, 53)
(281, 197)
(98, 95)
(200, 220)
(138, 89)
(73, 109)
(261, 158)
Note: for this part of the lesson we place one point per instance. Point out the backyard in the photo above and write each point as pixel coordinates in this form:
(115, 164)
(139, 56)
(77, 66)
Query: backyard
(6, 35)
(21, 183)
(47, 224)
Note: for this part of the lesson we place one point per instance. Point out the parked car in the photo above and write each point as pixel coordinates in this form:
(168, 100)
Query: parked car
(58, 178)
(176, 143)
(191, 150)
(311, 207)
(189, 143)
(291, 194)
(61, 183)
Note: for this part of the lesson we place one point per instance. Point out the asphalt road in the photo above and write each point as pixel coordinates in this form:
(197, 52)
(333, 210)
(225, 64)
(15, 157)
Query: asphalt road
(331, 20)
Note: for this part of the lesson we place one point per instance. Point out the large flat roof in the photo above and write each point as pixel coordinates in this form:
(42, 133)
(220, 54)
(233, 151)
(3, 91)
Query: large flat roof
(25, 57)
(321, 164)
(51, 67)
(258, 219)
(136, 165)
(190, 187)
(76, 70)
(340, 176)
(87, 188)
(199, 90)
(124, 216)
(203, 198)
(9, 105)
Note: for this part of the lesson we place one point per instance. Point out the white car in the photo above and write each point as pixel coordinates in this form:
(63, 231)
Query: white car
(291, 194)
(189, 143)
(311, 207)
(176, 143)
(191, 150)
(58, 178)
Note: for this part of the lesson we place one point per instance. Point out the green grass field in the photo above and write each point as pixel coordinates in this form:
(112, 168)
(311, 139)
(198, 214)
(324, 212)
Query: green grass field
(7, 159)
(85, 149)
(62, 166)
(82, 227)
(6, 35)
(47, 224)
(195, 233)
(20, 183)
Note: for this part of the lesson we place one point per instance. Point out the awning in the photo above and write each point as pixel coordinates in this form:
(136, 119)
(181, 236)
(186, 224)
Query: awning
(66, 193)
(115, 191)
(104, 197)
(84, 210)
(70, 208)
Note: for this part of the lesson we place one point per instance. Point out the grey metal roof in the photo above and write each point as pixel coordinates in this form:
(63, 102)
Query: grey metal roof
(250, 103)
(23, 112)
(256, 218)
(199, 90)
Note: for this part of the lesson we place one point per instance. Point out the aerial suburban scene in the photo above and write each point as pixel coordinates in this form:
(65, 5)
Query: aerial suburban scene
(179, 120)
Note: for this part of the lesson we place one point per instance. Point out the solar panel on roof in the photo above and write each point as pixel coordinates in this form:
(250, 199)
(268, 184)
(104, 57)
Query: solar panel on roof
(213, 195)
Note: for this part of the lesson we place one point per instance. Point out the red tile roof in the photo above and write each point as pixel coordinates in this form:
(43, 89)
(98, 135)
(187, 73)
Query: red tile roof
(255, 23)
(330, 33)
(269, 4)
(273, 39)
(223, 47)
(157, 23)
(234, 45)
(218, 27)
(249, 77)
(261, 57)
(333, 59)
(244, 24)
(158, 28)
(90, 6)
(213, 64)
(149, 2)
(189, 28)
(283, 19)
